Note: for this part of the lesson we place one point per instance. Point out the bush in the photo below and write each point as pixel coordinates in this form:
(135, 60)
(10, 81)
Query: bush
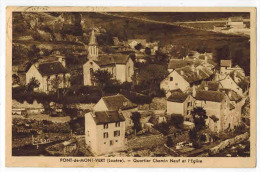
(177, 120)
(169, 141)
(137, 98)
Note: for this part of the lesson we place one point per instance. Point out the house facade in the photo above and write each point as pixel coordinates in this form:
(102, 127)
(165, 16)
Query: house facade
(180, 103)
(51, 75)
(117, 103)
(185, 77)
(229, 83)
(217, 107)
(105, 131)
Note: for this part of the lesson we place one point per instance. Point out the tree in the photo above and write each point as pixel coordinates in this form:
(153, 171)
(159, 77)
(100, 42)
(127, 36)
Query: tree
(161, 58)
(101, 78)
(199, 117)
(222, 53)
(136, 116)
(15, 79)
(148, 51)
(177, 120)
(34, 83)
(169, 142)
(138, 46)
(150, 77)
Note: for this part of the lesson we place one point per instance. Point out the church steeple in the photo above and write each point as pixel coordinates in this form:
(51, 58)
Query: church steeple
(92, 46)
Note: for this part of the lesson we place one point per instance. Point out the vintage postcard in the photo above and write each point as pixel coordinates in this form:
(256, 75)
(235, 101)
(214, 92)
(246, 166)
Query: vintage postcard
(130, 87)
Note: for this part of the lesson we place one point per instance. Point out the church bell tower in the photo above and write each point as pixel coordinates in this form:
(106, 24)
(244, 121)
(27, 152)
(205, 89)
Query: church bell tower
(93, 47)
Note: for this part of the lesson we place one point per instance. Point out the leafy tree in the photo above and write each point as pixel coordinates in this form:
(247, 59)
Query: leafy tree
(222, 52)
(136, 116)
(34, 83)
(15, 79)
(169, 141)
(163, 127)
(148, 51)
(138, 46)
(101, 78)
(177, 120)
(161, 58)
(193, 135)
(199, 117)
(150, 77)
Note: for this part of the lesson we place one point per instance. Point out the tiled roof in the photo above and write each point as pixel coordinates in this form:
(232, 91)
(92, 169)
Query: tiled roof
(177, 96)
(52, 68)
(193, 75)
(104, 117)
(212, 85)
(235, 19)
(117, 102)
(105, 60)
(179, 63)
(214, 96)
(233, 96)
(225, 63)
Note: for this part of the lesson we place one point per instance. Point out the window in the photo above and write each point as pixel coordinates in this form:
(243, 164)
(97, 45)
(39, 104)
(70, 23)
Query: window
(105, 126)
(176, 84)
(117, 124)
(91, 71)
(105, 135)
(189, 104)
(111, 142)
(171, 78)
(117, 133)
(116, 140)
(105, 143)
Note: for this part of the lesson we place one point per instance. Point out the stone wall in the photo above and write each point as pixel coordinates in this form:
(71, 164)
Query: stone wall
(228, 143)
(146, 141)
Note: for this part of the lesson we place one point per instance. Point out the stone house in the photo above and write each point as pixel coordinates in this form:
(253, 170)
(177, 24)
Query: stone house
(117, 103)
(229, 83)
(217, 107)
(105, 131)
(184, 78)
(180, 103)
(133, 42)
(46, 72)
(235, 22)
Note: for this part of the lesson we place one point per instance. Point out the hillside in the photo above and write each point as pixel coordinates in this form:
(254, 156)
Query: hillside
(73, 29)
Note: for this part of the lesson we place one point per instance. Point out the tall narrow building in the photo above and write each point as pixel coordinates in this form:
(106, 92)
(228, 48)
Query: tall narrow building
(92, 47)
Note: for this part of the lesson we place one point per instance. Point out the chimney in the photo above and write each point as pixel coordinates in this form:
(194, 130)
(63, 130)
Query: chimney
(229, 93)
(182, 72)
(36, 65)
(194, 92)
(193, 68)
(62, 61)
(206, 86)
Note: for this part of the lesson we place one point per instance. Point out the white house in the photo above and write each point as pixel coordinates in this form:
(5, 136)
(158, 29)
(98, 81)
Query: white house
(133, 42)
(229, 83)
(105, 131)
(180, 103)
(235, 22)
(184, 78)
(217, 107)
(119, 65)
(48, 73)
(117, 103)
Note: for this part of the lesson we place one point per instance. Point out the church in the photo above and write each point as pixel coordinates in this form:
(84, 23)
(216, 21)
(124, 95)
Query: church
(120, 66)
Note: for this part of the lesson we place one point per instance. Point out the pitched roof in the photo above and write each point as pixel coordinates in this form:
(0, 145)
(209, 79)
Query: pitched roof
(177, 96)
(233, 96)
(214, 96)
(179, 63)
(117, 102)
(51, 68)
(225, 63)
(212, 85)
(114, 59)
(192, 75)
(93, 40)
(104, 117)
(236, 19)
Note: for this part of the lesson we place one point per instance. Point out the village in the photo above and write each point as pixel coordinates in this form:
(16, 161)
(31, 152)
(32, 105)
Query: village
(130, 99)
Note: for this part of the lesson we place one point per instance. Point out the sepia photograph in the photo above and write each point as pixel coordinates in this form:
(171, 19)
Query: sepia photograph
(152, 86)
